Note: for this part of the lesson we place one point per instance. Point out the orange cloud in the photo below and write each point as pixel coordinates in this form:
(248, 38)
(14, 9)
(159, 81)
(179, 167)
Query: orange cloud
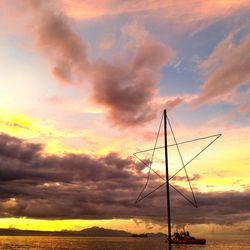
(90, 9)
(188, 11)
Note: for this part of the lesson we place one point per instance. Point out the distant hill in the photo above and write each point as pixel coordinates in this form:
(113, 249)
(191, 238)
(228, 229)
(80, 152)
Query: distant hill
(93, 231)
(99, 231)
(17, 232)
(156, 235)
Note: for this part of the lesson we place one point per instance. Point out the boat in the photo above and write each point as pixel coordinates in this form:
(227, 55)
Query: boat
(185, 238)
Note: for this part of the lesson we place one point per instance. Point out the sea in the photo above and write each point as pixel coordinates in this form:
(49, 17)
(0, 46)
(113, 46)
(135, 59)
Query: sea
(110, 243)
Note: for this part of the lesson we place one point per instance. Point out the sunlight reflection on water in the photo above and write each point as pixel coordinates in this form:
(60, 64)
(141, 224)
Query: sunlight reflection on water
(108, 243)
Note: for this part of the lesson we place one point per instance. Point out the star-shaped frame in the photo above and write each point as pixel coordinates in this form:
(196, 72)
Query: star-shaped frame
(149, 165)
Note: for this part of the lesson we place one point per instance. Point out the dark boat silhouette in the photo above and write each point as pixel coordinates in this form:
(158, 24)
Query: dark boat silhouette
(186, 238)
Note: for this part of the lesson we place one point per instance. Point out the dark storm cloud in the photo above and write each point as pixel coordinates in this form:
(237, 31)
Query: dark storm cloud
(215, 207)
(80, 186)
(17, 149)
(68, 187)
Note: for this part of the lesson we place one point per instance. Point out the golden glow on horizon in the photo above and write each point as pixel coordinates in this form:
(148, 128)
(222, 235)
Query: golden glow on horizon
(56, 140)
(78, 224)
(48, 133)
(222, 167)
(129, 225)
(26, 127)
(222, 159)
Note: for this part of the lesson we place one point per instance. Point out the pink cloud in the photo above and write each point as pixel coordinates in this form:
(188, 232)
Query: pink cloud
(106, 43)
(127, 90)
(172, 103)
(54, 38)
(240, 101)
(192, 16)
(56, 100)
(178, 12)
(228, 68)
(68, 51)
(244, 108)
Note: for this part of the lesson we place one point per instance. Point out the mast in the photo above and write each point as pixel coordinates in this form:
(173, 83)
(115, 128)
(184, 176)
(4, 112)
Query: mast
(167, 179)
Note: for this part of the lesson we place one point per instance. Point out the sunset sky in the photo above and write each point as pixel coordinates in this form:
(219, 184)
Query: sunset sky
(83, 85)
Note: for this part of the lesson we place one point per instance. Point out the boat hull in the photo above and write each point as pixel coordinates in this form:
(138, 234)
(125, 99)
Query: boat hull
(190, 241)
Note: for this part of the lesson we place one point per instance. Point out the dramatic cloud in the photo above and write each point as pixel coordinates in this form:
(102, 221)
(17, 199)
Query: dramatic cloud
(114, 60)
(80, 186)
(126, 90)
(17, 149)
(229, 68)
(57, 41)
(41, 186)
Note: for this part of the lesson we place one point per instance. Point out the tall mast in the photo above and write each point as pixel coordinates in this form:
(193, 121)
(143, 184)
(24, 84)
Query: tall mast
(167, 179)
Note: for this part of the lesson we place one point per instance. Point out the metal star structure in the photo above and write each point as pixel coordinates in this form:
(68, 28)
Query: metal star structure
(142, 196)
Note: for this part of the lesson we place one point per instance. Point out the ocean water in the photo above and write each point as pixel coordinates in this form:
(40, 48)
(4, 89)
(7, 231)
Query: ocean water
(109, 243)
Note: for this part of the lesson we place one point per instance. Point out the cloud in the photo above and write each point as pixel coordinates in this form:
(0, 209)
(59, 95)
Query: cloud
(44, 23)
(244, 108)
(32, 179)
(228, 66)
(106, 43)
(172, 103)
(80, 186)
(14, 148)
(197, 11)
(218, 55)
(183, 178)
(58, 41)
(126, 89)
(240, 100)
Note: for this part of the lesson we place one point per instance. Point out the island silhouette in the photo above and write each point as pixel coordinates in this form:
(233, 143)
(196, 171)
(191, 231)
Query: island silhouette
(88, 232)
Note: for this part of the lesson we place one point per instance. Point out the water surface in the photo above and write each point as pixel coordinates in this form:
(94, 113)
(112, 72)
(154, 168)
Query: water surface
(109, 243)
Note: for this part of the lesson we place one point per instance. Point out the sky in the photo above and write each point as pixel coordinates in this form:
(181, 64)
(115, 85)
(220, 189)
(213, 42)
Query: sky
(83, 85)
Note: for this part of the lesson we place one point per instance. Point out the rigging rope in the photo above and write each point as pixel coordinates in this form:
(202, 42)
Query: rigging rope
(183, 165)
(152, 157)
(177, 171)
(139, 198)
(179, 143)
